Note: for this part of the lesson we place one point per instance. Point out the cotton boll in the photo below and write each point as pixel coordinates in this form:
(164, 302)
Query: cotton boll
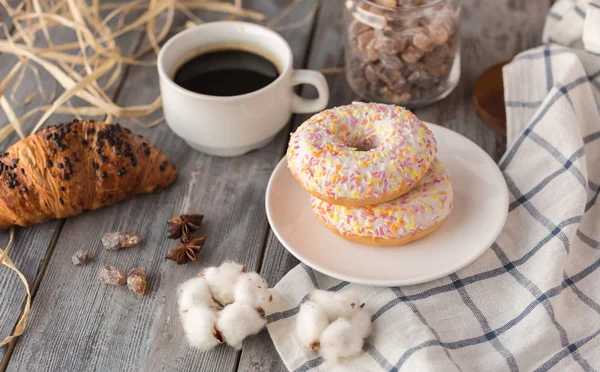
(265, 301)
(194, 293)
(198, 324)
(250, 285)
(270, 301)
(221, 281)
(311, 322)
(340, 340)
(238, 321)
(361, 321)
(252, 290)
(336, 304)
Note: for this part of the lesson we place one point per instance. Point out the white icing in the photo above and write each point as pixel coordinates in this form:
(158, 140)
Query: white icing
(426, 205)
(325, 155)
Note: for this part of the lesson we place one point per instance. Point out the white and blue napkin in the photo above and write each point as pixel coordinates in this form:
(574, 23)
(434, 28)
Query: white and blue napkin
(532, 301)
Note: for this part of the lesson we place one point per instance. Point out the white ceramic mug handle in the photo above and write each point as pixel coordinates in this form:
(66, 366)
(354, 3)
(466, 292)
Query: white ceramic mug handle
(302, 105)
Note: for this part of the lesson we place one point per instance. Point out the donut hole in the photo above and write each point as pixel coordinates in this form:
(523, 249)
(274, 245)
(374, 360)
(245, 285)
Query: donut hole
(365, 144)
(362, 147)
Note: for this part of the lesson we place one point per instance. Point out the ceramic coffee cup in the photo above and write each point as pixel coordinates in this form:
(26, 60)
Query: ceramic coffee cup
(234, 125)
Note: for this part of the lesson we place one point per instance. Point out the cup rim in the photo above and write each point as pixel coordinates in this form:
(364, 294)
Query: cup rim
(161, 55)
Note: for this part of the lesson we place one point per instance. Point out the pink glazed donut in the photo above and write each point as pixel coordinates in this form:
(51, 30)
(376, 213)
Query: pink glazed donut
(361, 154)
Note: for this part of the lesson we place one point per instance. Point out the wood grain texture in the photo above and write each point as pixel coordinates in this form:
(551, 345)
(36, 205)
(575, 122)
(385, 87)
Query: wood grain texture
(114, 329)
(31, 245)
(28, 253)
(492, 32)
(83, 325)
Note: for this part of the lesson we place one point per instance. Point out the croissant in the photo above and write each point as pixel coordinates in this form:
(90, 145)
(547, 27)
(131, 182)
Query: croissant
(64, 170)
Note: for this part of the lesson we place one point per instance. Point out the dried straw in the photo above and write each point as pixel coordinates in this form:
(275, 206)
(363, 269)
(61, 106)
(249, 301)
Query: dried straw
(91, 65)
(6, 261)
(332, 70)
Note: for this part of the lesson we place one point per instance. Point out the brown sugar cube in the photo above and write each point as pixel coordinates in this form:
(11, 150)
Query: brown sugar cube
(391, 77)
(112, 275)
(386, 93)
(400, 37)
(409, 68)
(399, 86)
(387, 45)
(118, 240)
(446, 20)
(389, 95)
(136, 281)
(371, 74)
(439, 71)
(376, 88)
(81, 258)
(414, 22)
(364, 39)
(412, 54)
(372, 53)
(438, 33)
(436, 57)
(356, 28)
(423, 42)
(391, 61)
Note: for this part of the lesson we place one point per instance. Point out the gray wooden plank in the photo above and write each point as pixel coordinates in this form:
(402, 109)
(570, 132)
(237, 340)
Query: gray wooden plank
(6, 20)
(492, 32)
(27, 252)
(114, 329)
(31, 245)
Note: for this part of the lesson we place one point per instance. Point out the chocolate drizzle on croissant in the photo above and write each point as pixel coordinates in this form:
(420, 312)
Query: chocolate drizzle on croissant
(67, 169)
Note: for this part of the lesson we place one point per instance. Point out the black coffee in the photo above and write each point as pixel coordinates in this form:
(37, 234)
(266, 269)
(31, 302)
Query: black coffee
(226, 73)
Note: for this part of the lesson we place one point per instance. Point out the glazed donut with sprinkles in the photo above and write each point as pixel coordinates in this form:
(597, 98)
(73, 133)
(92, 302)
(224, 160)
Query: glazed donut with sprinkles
(397, 222)
(361, 154)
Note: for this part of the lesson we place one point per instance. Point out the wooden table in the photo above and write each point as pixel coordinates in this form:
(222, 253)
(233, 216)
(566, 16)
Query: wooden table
(78, 324)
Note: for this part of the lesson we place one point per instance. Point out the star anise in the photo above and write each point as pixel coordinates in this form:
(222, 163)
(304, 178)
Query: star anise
(186, 251)
(182, 226)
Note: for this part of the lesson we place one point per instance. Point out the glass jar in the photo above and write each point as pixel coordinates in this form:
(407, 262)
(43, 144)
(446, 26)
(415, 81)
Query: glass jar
(405, 52)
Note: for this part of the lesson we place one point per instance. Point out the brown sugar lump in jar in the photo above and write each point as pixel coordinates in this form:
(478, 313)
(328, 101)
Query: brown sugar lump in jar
(402, 51)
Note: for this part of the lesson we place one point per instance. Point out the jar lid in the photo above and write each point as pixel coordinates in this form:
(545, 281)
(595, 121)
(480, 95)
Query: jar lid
(488, 98)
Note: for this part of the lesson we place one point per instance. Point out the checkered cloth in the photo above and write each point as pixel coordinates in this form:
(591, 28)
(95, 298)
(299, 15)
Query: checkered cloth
(574, 23)
(532, 301)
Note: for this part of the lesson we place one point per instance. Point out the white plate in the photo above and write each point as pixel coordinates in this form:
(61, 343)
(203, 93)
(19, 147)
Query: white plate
(480, 210)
